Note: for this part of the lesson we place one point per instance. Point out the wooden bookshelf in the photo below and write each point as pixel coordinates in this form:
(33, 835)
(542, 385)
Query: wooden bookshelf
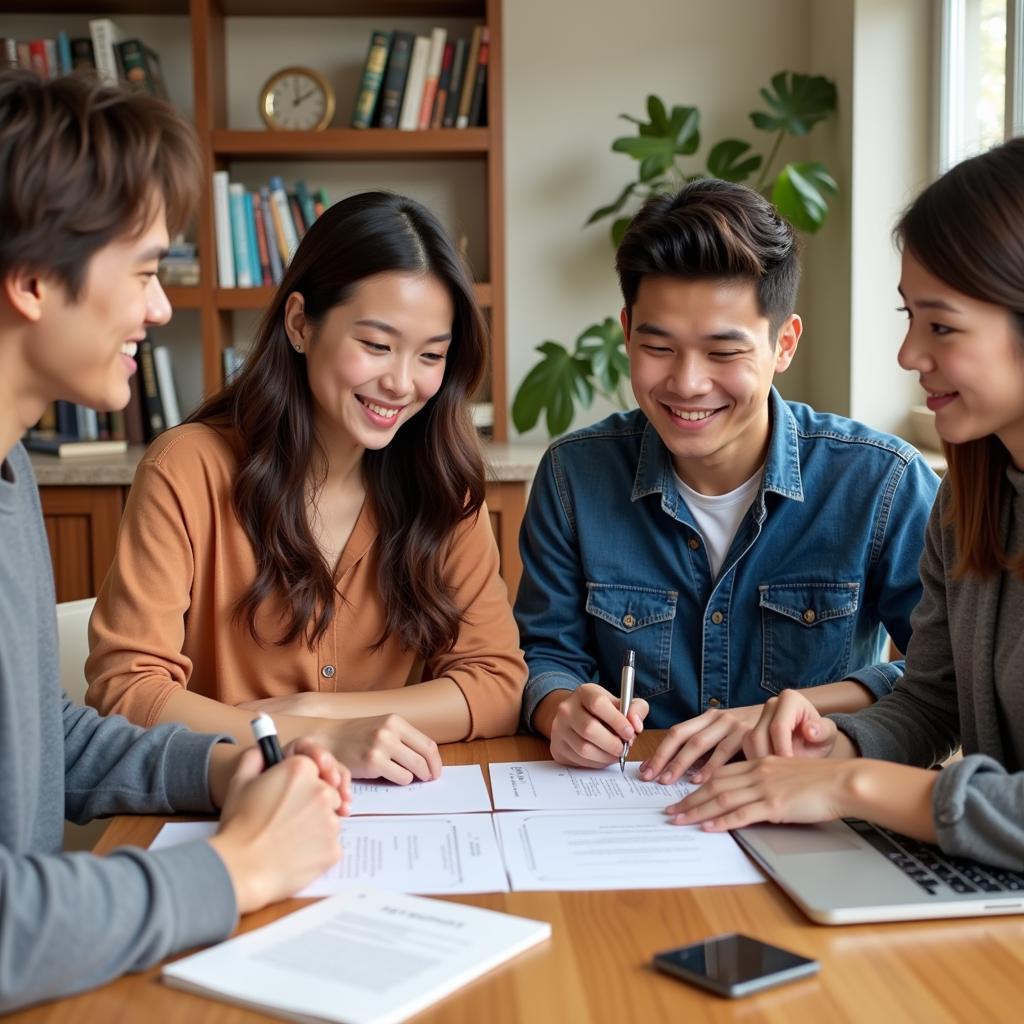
(225, 148)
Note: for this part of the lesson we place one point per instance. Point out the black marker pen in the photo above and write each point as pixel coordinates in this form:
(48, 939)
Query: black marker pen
(266, 736)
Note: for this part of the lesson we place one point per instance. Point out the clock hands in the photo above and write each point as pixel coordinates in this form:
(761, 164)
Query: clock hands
(304, 96)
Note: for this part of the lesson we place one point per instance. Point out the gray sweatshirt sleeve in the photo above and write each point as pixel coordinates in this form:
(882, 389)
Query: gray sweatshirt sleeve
(977, 806)
(73, 921)
(919, 722)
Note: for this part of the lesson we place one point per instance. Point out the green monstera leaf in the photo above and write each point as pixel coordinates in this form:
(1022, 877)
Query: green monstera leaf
(726, 161)
(797, 103)
(604, 345)
(799, 194)
(554, 386)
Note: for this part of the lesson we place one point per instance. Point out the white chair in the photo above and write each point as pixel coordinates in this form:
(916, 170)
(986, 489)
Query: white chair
(73, 638)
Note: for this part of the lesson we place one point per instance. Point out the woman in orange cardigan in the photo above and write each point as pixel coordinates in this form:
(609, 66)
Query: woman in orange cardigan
(314, 539)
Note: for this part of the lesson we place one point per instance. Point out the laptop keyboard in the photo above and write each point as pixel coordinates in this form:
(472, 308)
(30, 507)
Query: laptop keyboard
(932, 869)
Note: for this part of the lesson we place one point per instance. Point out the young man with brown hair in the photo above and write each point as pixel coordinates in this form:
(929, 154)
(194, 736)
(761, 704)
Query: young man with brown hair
(90, 180)
(738, 543)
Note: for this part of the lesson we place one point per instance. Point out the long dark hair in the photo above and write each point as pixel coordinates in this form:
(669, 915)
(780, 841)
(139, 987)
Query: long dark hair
(967, 229)
(421, 485)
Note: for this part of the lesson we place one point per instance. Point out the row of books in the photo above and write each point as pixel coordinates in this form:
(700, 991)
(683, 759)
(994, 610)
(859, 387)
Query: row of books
(259, 231)
(106, 49)
(417, 82)
(67, 429)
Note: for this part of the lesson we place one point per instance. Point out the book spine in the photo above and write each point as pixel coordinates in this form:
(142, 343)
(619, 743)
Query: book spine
(443, 84)
(240, 235)
(451, 106)
(37, 58)
(394, 79)
(298, 219)
(104, 34)
(468, 78)
(222, 229)
(24, 59)
(67, 418)
(8, 52)
(273, 250)
(255, 268)
(82, 54)
(152, 409)
(288, 239)
(306, 203)
(266, 277)
(165, 385)
(408, 121)
(88, 424)
(320, 202)
(64, 53)
(438, 38)
(132, 56)
(373, 77)
(134, 430)
(477, 113)
(52, 58)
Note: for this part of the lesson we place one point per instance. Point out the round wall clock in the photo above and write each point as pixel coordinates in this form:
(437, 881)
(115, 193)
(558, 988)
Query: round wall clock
(297, 99)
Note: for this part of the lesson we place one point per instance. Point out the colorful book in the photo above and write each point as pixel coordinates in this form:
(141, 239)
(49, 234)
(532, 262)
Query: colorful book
(408, 120)
(287, 237)
(37, 58)
(165, 385)
(373, 79)
(8, 52)
(140, 67)
(82, 54)
(105, 34)
(273, 249)
(255, 268)
(444, 82)
(222, 229)
(67, 418)
(266, 277)
(320, 202)
(394, 79)
(469, 79)
(152, 408)
(477, 109)
(438, 38)
(298, 218)
(240, 235)
(52, 59)
(64, 63)
(306, 203)
(451, 106)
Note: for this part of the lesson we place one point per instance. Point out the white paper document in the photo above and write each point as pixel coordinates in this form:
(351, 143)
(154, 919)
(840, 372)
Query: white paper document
(460, 790)
(363, 957)
(432, 855)
(582, 850)
(548, 786)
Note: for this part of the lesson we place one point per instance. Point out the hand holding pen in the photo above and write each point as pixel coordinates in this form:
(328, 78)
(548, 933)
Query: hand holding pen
(626, 680)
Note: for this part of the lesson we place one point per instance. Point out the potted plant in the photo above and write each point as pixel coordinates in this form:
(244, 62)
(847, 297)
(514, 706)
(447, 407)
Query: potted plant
(564, 380)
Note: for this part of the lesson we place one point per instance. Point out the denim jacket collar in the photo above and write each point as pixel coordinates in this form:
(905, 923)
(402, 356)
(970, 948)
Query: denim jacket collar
(781, 472)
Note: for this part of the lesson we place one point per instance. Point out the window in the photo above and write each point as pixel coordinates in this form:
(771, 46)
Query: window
(980, 95)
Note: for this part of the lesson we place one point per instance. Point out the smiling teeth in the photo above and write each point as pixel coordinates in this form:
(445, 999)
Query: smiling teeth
(703, 414)
(130, 348)
(388, 414)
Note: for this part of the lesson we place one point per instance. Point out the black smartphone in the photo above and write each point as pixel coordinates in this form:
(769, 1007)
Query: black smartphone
(734, 965)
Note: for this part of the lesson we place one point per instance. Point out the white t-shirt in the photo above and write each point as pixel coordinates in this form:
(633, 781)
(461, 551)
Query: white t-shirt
(718, 516)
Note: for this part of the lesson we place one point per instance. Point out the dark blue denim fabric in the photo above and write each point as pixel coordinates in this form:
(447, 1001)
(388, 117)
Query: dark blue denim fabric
(822, 566)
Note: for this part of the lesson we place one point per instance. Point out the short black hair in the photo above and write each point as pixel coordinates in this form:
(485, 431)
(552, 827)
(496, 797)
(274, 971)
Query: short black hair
(712, 229)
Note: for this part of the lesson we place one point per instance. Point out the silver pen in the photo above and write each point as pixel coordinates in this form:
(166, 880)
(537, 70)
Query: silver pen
(626, 696)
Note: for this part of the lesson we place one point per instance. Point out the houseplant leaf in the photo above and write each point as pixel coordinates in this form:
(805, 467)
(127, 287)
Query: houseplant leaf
(725, 161)
(554, 385)
(797, 103)
(614, 207)
(619, 226)
(684, 130)
(604, 345)
(799, 194)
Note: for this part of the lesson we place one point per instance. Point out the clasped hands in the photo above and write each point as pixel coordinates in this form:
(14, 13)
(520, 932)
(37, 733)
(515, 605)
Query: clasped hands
(787, 775)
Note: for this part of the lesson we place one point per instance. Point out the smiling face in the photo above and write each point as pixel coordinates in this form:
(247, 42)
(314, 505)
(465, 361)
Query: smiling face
(83, 351)
(377, 359)
(702, 360)
(969, 358)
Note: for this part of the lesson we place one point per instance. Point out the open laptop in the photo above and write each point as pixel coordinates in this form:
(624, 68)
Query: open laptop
(852, 872)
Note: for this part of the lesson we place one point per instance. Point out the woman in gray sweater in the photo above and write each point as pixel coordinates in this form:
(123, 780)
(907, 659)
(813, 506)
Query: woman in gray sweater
(962, 285)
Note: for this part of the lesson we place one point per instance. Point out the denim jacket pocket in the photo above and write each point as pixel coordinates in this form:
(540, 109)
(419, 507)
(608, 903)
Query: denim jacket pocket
(640, 618)
(807, 633)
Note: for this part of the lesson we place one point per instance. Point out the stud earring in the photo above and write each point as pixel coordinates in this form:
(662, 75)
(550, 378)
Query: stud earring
(298, 348)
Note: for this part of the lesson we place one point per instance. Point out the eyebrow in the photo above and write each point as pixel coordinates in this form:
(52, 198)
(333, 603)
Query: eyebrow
(729, 334)
(940, 304)
(157, 252)
(387, 328)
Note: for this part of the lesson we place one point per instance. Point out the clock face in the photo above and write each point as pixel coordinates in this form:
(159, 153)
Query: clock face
(297, 100)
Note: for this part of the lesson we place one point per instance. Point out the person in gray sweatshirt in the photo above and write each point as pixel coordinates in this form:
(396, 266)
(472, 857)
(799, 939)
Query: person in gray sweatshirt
(91, 179)
(962, 286)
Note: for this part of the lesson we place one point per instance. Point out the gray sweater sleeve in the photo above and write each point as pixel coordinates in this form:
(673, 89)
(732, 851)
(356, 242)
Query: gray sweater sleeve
(919, 722)
(73, 921)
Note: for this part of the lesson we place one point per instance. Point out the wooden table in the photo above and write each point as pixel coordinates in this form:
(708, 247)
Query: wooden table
(596, 966)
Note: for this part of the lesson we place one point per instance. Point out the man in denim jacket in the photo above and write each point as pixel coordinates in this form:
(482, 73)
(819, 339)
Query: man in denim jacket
(739, 544)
